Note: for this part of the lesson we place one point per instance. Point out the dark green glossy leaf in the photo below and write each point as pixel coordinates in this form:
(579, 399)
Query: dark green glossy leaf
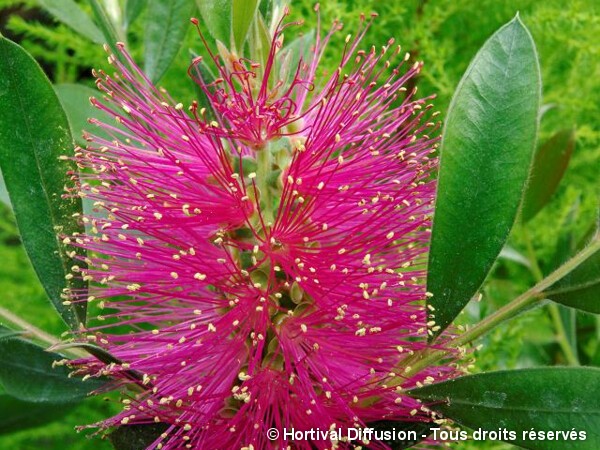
(580, 289)
(75, 99)
(216, 18)
(545, 399)
(133, 9)
(166, 24)
(34, 132)
(242, 15)
(549, 165)
(18, 415)
(26, 373)
(69, 12)
(486, 152)
(136, 437)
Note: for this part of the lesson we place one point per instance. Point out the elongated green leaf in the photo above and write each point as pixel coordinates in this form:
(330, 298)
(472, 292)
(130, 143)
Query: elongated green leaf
(299, 48)
(486, 152)
(513, 255)
(260, 40)
(26, 373)
(18, 415)
(166, 24)
(581, 288)
(568, 318)
(216, 18)
(69, 12)
(133, 9)
(34, 132)
(111, 35)
(549, 166)
(75, 101)
(242, 15)
(544, 399)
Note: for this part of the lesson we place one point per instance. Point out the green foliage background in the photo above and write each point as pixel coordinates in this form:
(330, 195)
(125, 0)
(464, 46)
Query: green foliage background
(445, 34)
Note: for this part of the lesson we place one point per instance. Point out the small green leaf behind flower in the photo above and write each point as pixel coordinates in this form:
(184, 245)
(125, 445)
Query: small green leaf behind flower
(75, 101)
(166, 25)
(71, 14)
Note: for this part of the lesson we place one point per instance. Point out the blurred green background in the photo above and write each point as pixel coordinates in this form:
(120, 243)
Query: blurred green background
(445, 34)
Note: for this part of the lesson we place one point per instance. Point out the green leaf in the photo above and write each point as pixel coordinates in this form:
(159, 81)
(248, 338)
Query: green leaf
(133, 9)
(166, 24)
(34, 132)
(549, 166)
(216, 18)
(106, 25)
(568, 318)
(486, 152)
(18, 415)
(26, 373)
(260, 40)
(545, 399)
(69, 13)
(580, 288)
(136, 437)
(513, 255)
(242, 15)
(75, 101)
(291, 54)
(7, 332)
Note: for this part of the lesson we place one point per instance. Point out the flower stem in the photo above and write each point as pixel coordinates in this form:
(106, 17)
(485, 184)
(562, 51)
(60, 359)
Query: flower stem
(424, 358)
(34, 332)
(30, 330)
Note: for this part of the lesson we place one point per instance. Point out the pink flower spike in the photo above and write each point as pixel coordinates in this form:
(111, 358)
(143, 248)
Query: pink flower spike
(260, 260)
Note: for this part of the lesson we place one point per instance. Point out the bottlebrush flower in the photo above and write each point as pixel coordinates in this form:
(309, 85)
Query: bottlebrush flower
(260, 260)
